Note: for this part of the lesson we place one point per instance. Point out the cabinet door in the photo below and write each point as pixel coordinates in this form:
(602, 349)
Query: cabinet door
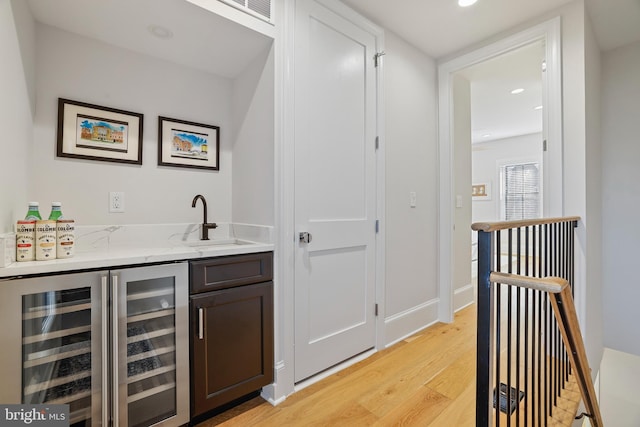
(232, 341)
(151, 332)
(54, 341)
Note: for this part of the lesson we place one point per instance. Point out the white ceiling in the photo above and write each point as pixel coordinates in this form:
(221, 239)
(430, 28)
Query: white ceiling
(440, 27)
(615, 22)
(201, 40)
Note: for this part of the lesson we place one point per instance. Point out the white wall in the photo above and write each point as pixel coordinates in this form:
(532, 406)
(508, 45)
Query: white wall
(83, 69)
(463, 293)
(25, 28)
(593, 317)
(253, 156)
(15, 116)
(411, 154)
(621, 198)
(486, 160)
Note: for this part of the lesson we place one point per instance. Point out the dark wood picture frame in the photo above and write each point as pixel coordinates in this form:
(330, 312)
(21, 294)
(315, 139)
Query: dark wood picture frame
(93, 132)
(187, 144)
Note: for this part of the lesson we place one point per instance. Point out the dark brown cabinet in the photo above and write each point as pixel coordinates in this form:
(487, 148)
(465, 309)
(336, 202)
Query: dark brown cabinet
(232, 328)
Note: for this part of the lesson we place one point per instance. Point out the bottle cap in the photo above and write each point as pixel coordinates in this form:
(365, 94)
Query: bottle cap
(56, 204)
(34, 204)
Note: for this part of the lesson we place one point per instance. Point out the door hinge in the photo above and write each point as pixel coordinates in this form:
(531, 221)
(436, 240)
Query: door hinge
(376, 310)
(544, 145)
(377, 56)
(377, 225)
(377, 142)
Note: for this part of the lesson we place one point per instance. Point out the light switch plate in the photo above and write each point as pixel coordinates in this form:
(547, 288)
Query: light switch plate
(412, 199)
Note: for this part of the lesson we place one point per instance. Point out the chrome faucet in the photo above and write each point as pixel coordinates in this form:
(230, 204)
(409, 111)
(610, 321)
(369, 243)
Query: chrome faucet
(205, 225)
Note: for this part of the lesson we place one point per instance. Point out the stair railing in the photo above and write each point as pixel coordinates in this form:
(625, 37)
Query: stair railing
(565, 314)
(523, 365)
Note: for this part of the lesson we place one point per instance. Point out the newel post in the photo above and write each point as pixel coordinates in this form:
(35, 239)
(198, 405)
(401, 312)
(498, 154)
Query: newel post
(484, 356)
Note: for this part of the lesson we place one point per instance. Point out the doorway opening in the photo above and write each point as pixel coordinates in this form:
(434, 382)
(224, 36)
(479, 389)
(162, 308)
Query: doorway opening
(506, 143)
(455, 155)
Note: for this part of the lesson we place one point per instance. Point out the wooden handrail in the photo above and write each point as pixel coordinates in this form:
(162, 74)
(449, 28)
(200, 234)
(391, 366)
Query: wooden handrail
(565, 313)
(505, 225)
(552, 285)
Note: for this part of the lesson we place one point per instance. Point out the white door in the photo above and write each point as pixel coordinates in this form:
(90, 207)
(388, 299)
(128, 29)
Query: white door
(335, 103)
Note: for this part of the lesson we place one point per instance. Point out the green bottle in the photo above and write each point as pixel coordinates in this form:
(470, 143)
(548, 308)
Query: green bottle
(56, 211)
(33, 213)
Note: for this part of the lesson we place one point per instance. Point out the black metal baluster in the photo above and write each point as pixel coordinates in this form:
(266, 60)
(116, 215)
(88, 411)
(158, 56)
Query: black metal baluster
(565, 258)
(498, 324)
(546, 325)
(509, 323)
(554, 347)
(552, 360)
(540, 328)
(534, 407)
(527, 392)
(483, 356)
(556, 330)
(518, 323)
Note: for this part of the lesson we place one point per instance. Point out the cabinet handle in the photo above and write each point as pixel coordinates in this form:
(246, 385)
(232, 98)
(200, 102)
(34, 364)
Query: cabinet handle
(115, 374)
(200, 323)
(105, 348)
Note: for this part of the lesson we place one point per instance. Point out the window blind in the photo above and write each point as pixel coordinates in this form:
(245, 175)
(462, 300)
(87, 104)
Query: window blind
(521, 191)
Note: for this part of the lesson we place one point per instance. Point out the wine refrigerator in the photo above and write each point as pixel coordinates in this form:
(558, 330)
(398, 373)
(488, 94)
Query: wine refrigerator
(113, 345)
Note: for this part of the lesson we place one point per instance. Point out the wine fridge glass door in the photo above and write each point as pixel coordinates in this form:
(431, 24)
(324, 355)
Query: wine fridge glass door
(53, 344)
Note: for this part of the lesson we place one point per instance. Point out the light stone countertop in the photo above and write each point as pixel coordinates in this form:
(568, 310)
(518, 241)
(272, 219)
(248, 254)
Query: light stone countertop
(109, 247)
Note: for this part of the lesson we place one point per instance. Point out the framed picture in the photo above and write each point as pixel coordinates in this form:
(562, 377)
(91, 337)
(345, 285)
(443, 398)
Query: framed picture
(92, 132)
(481, 191)
(188, 145)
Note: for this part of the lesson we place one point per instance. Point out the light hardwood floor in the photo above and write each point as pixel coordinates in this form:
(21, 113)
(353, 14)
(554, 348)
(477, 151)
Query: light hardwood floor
(425, 380)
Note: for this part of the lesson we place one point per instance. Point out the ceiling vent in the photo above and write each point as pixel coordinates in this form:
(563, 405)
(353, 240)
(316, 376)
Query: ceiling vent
(259, 8)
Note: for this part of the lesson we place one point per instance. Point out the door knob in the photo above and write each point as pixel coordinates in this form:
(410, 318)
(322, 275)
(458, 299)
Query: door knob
(305, 237)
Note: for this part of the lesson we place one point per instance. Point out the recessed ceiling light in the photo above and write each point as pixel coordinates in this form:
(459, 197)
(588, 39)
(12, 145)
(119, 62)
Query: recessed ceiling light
(517, 91)
(466, 3)
(160, 31)
(539, 107)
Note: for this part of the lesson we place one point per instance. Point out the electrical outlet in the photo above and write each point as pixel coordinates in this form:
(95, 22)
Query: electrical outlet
(116, 201)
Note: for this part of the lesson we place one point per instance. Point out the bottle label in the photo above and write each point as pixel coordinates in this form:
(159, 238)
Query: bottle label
(65, 236)
(45, 240)
(25, 241)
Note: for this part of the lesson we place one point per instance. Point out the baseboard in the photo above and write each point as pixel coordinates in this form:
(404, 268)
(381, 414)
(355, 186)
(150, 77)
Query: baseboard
(463, 297)
(407, 323)
(332, 370)
(275, 393)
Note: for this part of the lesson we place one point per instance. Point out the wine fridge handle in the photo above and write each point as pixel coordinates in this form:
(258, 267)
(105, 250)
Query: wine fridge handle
(115, 358)
(200, 323)
(104, 289)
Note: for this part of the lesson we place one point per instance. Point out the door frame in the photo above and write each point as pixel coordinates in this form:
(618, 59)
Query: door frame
(549, 32)
(285, 236)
